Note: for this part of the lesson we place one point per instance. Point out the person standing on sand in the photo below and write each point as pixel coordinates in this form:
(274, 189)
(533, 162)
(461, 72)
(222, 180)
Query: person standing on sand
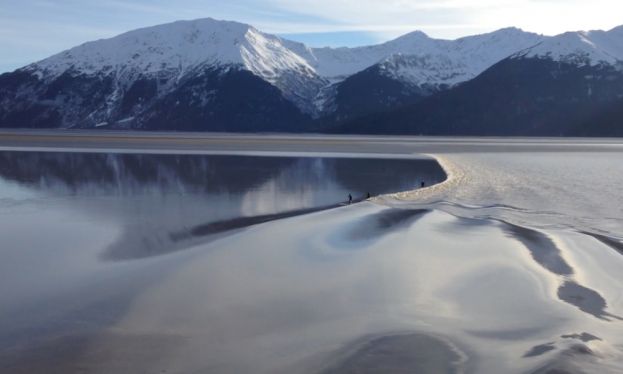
(350, 199)
(422, 184)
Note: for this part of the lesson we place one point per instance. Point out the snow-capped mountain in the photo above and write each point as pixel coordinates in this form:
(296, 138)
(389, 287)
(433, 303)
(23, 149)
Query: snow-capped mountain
(175, 50)
(415, 66)
(581, 48)
(180, 46)
(566, 85)
(220, 75)
(420, 60)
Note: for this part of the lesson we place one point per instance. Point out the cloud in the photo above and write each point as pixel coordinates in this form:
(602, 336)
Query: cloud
(440, 17)
(33, 29)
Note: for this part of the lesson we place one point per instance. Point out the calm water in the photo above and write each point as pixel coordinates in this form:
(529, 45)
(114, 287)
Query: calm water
(86, 236)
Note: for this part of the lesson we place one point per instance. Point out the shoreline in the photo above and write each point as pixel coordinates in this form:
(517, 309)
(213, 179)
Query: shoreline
(226, 143)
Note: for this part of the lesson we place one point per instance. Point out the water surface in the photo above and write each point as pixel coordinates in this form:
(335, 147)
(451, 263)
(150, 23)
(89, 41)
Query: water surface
(86, 235)
(144, 263)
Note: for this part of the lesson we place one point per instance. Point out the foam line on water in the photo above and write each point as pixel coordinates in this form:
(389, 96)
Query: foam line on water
(454, 176)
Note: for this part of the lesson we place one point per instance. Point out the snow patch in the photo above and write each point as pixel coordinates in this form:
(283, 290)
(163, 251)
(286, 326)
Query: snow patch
(125, 120)
(582, 48)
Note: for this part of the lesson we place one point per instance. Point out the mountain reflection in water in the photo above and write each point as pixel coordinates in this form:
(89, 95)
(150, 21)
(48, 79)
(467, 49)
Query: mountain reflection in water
(160, 200)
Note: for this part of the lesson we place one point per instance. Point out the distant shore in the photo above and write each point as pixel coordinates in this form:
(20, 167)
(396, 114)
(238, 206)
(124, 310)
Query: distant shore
(193, 142)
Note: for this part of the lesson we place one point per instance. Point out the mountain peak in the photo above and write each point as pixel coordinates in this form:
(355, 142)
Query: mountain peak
(417, 34)
(206, 24)
(581, 47)
(415, 39)
(178, 46)
(617, 30)
(510, 30)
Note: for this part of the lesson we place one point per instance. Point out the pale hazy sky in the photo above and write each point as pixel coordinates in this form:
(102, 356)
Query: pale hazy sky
(34, 29)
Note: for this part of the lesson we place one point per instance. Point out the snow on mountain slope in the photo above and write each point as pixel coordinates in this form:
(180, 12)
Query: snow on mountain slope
(173, 52)
(448, 62)
(465, 57)
(582, 47)
(337, 64)
(176, 49)
(180, 46)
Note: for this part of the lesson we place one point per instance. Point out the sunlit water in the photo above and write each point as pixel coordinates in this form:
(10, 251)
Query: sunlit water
(178, 264)
(85, 237)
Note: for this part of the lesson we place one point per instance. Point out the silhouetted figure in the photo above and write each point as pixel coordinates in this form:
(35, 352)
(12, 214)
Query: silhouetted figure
(350, 198)
(422, 184)
(368, 195)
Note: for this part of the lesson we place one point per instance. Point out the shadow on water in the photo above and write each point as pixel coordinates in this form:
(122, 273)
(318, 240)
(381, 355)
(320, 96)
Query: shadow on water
(415, 353)
(352, 236)
(542, 249)
(374, 226)
(547, 254)
(587, 300)
(610, 242)
(540, 349)
(566, 359)
(585, 337)
(369, 228)
(567, 348)
(180, 240)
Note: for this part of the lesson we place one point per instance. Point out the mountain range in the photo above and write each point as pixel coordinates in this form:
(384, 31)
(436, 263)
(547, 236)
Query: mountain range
(210, 75)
